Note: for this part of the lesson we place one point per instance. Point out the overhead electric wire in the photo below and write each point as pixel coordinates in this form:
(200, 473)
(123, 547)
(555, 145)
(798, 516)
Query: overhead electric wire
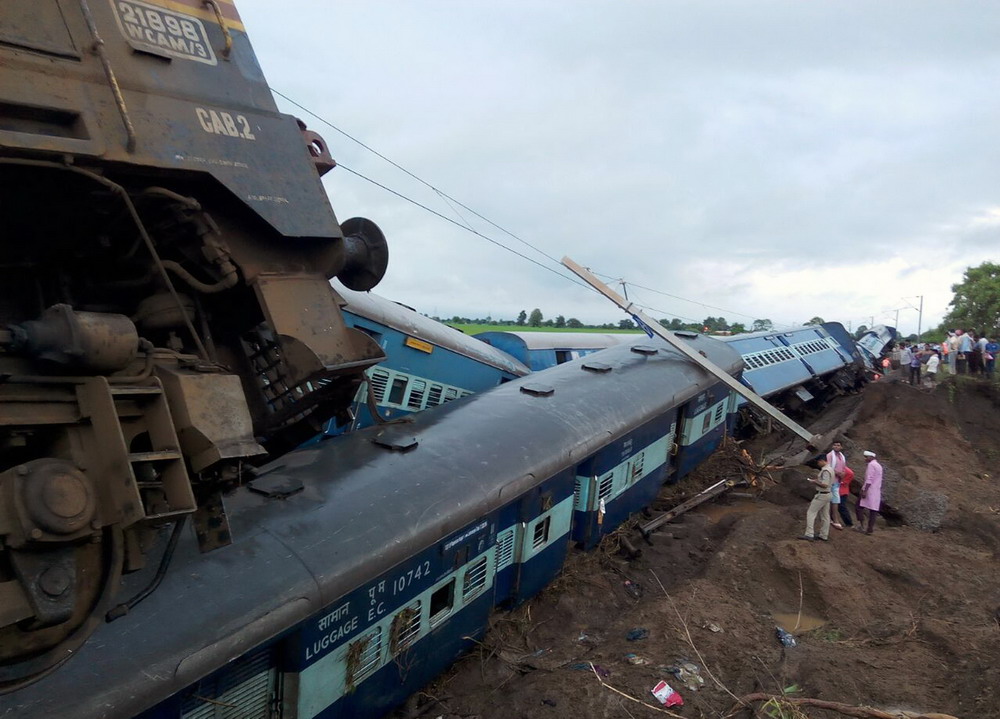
(448, 199)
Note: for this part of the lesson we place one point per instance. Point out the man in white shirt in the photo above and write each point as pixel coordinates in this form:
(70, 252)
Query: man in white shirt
(836, 461)
(905, 355)
(933, 362)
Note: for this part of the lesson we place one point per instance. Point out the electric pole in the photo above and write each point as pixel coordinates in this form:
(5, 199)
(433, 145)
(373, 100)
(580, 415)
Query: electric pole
(920, 317)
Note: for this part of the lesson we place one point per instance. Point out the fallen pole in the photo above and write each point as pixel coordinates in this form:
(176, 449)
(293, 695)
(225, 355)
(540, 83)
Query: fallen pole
(703, 496)
(652, 327)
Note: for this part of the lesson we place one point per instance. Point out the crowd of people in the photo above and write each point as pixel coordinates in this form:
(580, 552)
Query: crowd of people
(833, 490)
(962, 352)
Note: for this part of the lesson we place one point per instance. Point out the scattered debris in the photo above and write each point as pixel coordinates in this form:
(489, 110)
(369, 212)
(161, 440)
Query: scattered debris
(713, 627)
(667, 696)
(786, 639)
(689, 674)
(636, 660)
(633, 589)
(637, 634)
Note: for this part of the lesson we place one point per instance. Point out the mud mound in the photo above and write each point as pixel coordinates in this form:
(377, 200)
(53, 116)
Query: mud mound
(905, 618)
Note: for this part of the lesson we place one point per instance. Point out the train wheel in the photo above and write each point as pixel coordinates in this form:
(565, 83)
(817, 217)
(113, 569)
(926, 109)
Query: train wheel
(30, 646)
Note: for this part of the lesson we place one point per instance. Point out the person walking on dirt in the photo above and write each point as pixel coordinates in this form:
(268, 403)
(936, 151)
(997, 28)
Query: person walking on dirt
(871, 493)
(819, 506)
(835, 461)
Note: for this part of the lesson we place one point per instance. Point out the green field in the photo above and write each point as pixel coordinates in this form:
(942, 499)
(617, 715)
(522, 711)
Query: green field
(476, 329)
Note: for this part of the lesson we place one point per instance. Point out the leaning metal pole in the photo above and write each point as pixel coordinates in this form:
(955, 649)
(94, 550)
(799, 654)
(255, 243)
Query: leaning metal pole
(652, 327)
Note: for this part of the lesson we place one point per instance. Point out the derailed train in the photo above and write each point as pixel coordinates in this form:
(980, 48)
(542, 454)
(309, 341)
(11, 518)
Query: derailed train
(170, 319)
(365, 565)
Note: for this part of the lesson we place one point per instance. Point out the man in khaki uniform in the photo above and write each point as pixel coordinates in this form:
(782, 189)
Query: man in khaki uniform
(819, 506)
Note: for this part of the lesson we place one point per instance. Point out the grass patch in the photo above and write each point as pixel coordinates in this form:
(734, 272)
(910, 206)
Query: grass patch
(476, 329)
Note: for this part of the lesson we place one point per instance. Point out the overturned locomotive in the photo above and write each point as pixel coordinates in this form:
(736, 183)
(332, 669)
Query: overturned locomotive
(165, 300)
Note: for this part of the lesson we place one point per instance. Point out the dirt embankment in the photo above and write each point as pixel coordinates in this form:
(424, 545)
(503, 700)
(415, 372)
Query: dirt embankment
(905, 619)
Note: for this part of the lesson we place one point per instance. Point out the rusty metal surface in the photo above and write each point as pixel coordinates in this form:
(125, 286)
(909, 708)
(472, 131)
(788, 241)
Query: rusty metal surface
(164, 295)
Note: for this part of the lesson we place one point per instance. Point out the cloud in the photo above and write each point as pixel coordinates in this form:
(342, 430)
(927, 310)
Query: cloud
(785, 159)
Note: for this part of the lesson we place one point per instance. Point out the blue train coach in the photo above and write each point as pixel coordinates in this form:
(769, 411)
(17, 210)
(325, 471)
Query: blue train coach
(427, 363)
(361, 568)
(541, 350)
(798, 368)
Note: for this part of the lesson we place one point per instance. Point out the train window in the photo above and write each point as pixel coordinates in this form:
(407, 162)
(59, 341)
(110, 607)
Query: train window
(706, 423)
(418, 389)
(363, 655)
(434, 395)
(442, 602)
(637, 463)
(541, 535)
(563, 356)
(720, 412)
(475, 579)
(607, 483)
(245, 689)
(398, 390)
(379, 379)
(450, 394)
(505, 549)
(405, 628)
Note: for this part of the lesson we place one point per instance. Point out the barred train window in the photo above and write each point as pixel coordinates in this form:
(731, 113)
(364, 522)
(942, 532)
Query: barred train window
(475, 579)
(416, 398)
(405, 628)
(607, 483)
(363, 656)
(505, 549)
(379, 380)
(541, 536)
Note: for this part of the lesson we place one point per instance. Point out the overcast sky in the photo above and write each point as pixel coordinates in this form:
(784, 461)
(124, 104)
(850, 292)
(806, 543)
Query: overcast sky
(776, 160)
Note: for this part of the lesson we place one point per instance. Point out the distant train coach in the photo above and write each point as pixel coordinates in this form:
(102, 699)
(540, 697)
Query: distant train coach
(540, 350)
(427, 363)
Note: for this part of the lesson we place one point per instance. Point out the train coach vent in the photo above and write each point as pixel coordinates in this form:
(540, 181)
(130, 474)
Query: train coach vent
(248, 689)
(538, 390)
(598, 367)
(505, 549)
(645, 349)
(475, 579)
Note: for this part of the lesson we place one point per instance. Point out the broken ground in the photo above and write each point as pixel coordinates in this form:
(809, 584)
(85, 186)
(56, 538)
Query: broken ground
(906, 619)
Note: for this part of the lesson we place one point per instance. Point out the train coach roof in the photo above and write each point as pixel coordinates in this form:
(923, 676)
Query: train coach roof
(565, 340)
(408, 321)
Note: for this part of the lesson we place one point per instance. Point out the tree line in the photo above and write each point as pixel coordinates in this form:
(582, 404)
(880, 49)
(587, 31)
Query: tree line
(535, 318)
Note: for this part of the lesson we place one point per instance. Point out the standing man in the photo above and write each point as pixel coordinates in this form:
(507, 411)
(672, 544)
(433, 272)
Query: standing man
(905, 355)
(819, 506)
(964, 350)
(835, 460)
(991, 357)
(915, 367)
(871, 493)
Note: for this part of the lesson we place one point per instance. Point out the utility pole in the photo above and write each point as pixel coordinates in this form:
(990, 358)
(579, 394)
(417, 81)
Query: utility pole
(897, 320)
(873, 322)
(920, 317)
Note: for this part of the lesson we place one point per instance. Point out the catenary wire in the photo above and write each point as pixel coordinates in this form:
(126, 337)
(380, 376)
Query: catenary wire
(451, 201)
